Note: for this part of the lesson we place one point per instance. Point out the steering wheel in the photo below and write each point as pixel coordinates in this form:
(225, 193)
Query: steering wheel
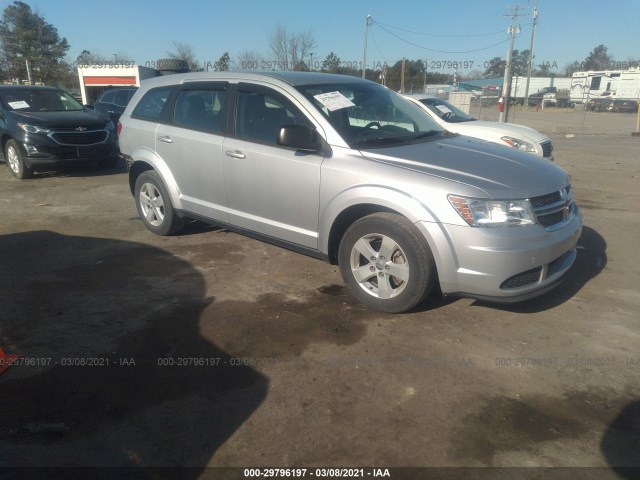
(373, 124)
(447, 116)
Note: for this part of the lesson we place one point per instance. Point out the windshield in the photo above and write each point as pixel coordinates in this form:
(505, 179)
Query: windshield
(445, 110)
(39, 100)
(368, 115)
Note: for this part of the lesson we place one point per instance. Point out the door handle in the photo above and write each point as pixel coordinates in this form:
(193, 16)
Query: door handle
(235, 154)
(165, 139)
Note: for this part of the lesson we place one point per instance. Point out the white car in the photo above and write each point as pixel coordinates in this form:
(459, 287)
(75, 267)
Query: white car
(455, 120)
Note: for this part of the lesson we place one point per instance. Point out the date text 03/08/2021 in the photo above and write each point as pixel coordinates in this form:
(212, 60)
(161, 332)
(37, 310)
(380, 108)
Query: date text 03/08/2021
(317, 472)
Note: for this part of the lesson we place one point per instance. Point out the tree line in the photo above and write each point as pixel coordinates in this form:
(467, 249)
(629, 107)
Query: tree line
(26, 37)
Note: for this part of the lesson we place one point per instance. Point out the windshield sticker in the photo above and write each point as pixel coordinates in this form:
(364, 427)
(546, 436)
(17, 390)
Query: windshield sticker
(444, 109)
(334, 101)
(19, 104)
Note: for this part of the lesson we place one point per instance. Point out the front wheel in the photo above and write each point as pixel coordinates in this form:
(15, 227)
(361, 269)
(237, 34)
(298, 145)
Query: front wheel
(15, 161)
(386, 263)
(154, 205)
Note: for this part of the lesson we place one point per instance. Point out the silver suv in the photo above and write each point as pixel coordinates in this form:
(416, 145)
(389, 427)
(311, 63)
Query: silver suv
(346, 170)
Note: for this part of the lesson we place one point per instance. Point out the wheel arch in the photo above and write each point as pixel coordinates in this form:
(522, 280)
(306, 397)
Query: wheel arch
(352, 205)
(144, 160)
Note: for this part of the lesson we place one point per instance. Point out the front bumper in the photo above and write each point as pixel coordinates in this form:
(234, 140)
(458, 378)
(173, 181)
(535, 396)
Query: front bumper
(52, 155)
(502, 264)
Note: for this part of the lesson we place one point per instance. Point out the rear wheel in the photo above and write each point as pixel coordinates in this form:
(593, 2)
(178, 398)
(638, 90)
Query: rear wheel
(386, 263)
(15, 162)
(154, 205)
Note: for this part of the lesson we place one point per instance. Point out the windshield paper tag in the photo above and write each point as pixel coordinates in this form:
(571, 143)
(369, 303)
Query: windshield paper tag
(443, 108)
(334, 101)
(18, 105)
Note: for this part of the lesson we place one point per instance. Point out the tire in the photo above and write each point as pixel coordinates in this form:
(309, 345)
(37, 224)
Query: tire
(385, 249)
(15, 161)
(154, 205)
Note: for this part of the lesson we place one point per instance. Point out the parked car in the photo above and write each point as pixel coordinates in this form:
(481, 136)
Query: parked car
(610, 102)
(345, 170)
(455, 120)
(113, 102)
(43, 127)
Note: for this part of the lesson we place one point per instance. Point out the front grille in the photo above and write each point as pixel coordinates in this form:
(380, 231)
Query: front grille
(547, 148)
(522, 279)
(80, 138)
(554, 209)
(544, 200)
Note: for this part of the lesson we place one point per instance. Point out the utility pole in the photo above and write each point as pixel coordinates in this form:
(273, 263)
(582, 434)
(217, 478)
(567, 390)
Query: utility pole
(506, 87)
(402, 76)
(424, 83)
(533, 34)
(367, 21)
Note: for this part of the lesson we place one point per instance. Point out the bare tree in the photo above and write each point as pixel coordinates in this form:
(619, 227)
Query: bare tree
(279, 45)
(247, 60)
(289, 50)
(184, 52)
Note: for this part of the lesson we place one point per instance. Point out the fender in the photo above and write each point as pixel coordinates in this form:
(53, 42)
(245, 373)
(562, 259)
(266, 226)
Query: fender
(145, 155)
(385, 197)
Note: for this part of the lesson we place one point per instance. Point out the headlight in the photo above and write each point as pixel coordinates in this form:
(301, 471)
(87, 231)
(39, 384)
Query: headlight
(33, 128)
(493, 213)
(519, 144)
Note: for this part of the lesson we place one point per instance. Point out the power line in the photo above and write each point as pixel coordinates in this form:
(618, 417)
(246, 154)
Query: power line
(433, 50)
(442, 34)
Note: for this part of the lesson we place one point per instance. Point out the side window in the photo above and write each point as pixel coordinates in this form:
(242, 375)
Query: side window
(108, 97)
(153, 104)
(122, 97)
(595, 83)
(200, 109)
(260, 116)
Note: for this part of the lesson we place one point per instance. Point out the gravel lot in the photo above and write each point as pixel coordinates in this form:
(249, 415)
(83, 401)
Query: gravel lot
(210, 348)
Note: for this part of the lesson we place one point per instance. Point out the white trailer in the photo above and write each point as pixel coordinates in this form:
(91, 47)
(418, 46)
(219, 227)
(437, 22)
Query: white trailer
(593, 83)
(94, 79)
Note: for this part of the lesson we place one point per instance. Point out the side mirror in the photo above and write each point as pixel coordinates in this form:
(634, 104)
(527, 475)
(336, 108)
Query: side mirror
(90, 107)
(299, 137)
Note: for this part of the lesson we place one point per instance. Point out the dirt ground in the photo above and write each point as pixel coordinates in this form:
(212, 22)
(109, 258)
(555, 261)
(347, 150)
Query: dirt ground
(213, 349)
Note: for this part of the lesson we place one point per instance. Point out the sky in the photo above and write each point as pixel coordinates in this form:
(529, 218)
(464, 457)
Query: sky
(469, 32)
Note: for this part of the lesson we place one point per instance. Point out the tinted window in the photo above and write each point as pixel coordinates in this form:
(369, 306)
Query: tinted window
(107, 97)
(200, 109)
(122, 97)
(260, 117)
(153, 104)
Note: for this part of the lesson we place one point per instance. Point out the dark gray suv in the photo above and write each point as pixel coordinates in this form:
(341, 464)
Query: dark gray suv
(44, 127)
(346, 170)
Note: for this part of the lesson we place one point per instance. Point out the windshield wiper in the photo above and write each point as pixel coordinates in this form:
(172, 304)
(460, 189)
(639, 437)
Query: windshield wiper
(381, 141)
(430, 133)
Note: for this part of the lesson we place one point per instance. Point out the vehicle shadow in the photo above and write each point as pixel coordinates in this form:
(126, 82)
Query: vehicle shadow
(621, 441)
(114, 369)
(591, 260)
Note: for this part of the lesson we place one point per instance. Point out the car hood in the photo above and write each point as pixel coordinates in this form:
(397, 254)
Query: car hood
(67, 119)
(502, 173)
(494, 130)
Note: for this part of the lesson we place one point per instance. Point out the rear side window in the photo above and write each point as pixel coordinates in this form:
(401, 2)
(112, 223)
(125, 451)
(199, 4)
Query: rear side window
(122, 97)
(200, 109)
(108, 97)
(153, 104)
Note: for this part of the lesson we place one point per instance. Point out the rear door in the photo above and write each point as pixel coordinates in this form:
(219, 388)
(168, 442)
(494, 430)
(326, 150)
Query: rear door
(191, 146)
(270, 189)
